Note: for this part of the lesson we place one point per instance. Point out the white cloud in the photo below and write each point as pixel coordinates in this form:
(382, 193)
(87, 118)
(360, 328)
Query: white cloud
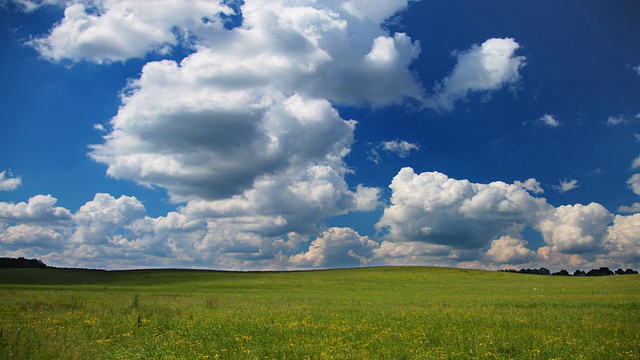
(438, 220)
(9, 183)
(253, 102)
(616, 120)
(39, 209)
(294, 202)
(412, 252)
(99, 219)
(637, 69)
(375, 10)
(319, 48)
(109, 30)
(566, 185)
(31, 235)
(634, 208)
(215, 145)
(549, 120)
(575, 229)
(623, 240)
(245, 131)
(36, 223)
(509, 250)
(400, 148)
(486, 67)
(531, 185)
(436, 209)
(634, 183)
(636, 163)
(337, 247)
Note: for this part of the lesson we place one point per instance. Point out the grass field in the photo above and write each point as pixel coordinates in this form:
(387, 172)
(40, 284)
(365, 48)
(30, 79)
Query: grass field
(368, 313)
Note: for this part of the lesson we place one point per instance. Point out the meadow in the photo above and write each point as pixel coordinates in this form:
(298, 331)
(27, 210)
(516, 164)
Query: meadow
(364, 313)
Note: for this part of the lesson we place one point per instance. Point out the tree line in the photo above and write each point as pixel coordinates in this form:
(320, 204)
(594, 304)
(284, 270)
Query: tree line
(8, 263)
(602, 271)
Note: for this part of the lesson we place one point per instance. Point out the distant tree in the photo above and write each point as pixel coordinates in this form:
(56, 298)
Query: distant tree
(619, 272)
(579, 273)
(561, 273)
(630, 272)
(7, 263)
(603, 271)
(541, 271)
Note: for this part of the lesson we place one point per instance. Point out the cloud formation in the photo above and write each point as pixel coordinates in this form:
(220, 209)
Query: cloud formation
(436, 219)
(39, 209)
(9, 183)
(634, 181)
(509, 250)
(482, 68)
(549, 120)
(107, 30)
(255, 103)
(617, 120)
(566, 185)
(400, 148)
(432, 219)
(337, 247)
(433, 208)
(245, 134)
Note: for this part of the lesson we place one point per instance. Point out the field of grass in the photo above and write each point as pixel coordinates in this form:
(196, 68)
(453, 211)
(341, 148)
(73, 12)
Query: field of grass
(369, 313)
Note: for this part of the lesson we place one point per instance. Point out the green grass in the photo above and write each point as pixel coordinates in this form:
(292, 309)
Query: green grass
(374, 313)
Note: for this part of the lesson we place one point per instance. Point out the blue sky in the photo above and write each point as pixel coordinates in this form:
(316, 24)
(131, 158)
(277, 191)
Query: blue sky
(313, 134)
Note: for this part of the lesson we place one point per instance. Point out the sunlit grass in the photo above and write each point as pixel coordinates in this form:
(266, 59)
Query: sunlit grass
(375, 313)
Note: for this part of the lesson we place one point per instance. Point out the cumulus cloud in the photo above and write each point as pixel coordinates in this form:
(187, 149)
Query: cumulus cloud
(244, 131)
(509, 250)
(482, 68)
(622, 240)
(108, 30)
(634, 208)
(433, 208)
(31, 235)
(36, 223)
(566, 185)
(436, 219)
(98, 220)
(575, 228)
(637, 69)
(336, 247)
(634, 183)
(375, 10)
(531, 185)
(38, 209)
(222, 149)
(9, 182)
(256, 102)
(419, 253)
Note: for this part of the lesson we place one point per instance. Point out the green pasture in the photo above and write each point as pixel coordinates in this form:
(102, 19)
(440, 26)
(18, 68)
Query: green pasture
(367, 313)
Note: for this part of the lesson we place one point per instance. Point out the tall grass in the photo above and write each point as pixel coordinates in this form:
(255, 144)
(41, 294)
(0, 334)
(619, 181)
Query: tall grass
(374, 313)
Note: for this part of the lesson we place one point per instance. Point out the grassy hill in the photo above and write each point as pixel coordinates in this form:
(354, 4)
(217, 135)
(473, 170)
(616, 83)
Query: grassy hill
(377, 313)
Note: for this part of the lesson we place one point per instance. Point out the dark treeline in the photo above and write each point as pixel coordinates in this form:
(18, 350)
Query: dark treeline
(603, 271)
(9, 263)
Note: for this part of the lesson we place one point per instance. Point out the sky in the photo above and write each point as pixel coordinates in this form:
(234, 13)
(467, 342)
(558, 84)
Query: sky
(302, 134)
